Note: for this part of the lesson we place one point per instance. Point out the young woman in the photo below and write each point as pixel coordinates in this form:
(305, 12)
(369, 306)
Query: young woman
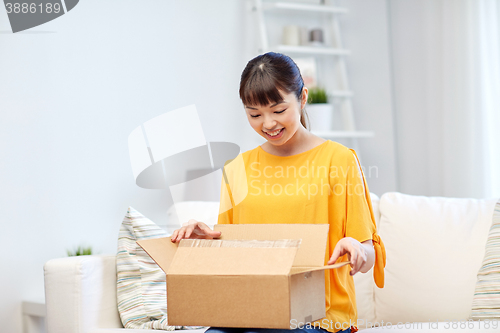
(297, 177)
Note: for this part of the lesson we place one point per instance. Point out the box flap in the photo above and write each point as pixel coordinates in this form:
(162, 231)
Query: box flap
(312, 249)
(162, 250)
(221, 257)
(296, 270)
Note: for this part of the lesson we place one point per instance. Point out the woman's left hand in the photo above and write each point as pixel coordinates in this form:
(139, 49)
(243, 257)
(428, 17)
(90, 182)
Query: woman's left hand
(355, 252)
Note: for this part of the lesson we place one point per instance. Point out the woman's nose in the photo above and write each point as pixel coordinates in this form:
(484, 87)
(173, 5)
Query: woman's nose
(269, 123)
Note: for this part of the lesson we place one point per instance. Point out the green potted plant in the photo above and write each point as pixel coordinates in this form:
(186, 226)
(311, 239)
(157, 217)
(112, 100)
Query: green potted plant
(319, 110)
(80, 251)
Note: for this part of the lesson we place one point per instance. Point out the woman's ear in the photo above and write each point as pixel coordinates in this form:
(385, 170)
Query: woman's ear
(304, 97)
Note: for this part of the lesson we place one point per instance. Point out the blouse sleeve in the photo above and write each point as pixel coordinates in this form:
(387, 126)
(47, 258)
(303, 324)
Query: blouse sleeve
(226, 201)
(234, 188)
(360, 220)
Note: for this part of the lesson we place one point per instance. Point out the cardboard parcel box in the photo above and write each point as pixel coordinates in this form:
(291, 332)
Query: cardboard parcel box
(254, 275)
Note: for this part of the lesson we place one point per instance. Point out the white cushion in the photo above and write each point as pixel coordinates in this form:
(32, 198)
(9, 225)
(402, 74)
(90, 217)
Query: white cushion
(364, 283)
(434, 248)
(202, 211)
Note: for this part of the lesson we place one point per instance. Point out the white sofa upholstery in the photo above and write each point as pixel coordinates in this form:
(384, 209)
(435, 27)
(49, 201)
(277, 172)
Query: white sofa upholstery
(80, 296)
(434, 247)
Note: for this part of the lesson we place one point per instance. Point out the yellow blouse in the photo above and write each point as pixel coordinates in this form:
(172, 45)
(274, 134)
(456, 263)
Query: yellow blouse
(322, 185)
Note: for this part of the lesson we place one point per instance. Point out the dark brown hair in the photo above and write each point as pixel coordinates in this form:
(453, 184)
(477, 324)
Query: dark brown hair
(267, 73)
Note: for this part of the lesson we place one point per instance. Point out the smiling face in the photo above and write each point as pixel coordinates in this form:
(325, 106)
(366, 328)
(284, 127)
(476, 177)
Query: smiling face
(277, 122)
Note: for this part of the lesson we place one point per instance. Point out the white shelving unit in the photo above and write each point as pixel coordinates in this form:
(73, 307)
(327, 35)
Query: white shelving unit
(304, 7)
(334, 52)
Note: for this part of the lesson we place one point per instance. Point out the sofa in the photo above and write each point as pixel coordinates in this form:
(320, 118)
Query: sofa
(435, 247)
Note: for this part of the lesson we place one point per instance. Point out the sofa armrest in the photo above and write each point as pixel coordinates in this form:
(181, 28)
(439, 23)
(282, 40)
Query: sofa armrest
(80, 294)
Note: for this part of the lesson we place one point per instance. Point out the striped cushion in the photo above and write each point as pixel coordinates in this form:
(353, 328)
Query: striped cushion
(486, 302)
(141, 285)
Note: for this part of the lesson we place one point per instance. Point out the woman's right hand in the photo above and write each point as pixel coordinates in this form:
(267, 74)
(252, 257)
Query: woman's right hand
(194, 229)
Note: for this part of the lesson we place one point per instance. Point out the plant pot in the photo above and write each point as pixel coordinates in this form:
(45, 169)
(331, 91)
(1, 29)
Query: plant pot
(320, 116)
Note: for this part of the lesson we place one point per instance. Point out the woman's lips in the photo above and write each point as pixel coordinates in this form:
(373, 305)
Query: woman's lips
(279, 135)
